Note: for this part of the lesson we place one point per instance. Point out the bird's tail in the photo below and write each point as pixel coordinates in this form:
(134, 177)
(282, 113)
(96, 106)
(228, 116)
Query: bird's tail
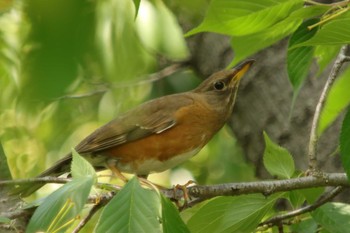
(60, 167)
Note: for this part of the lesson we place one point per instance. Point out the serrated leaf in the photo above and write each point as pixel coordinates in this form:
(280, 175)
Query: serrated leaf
(299, 59)
(171, 220)
(133, 209)
(241, 17)
(337, 100)
(345, 144)
(277, 160)
(81, 168)
(334, 217)
(231, 214)
(59, 209)
(335, 32)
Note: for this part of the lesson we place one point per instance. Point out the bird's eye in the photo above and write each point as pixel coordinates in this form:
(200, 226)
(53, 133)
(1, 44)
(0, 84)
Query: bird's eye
(219, 85)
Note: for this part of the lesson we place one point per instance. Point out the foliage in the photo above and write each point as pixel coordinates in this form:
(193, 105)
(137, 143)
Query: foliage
(64, 63)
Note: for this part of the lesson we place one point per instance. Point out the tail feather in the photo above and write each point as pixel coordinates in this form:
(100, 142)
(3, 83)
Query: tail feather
(60, 167)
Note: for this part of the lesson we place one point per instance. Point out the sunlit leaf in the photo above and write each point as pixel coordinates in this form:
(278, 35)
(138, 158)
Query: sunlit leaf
(239, 17)
(59, 209)
(81, 168)
(171, 220)
(231, 214)
(337, 100)
(335, 32)
(277, 160)
(133, 209)
(245, 46)
(345, 144)
(334, 217)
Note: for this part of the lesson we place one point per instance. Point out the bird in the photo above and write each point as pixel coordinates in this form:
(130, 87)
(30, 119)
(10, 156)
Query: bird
(160, 133)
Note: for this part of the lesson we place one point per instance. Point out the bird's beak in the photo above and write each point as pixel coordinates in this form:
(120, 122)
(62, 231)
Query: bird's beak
(240, 70)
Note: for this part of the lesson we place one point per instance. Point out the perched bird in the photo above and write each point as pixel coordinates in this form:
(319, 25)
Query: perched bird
(161, 133)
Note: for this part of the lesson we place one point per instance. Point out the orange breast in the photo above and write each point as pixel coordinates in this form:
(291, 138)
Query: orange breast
(191, 132)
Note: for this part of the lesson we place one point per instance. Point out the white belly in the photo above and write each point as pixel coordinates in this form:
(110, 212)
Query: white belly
(152, 165)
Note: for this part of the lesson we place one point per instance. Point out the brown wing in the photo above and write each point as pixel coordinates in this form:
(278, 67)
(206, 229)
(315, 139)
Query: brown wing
(149, 118)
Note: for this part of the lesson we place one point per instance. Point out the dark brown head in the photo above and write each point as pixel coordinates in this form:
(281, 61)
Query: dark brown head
(221, 87)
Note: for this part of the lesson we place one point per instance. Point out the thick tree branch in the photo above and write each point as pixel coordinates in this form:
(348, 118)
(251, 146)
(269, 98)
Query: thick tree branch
(313, 134)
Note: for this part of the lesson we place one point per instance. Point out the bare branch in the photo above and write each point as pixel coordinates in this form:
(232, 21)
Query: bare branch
(313, 134)
(322, 200)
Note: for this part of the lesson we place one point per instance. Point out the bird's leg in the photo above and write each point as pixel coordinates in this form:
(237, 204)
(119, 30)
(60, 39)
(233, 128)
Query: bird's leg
(143, 180)
(183, 188)
(116, 172)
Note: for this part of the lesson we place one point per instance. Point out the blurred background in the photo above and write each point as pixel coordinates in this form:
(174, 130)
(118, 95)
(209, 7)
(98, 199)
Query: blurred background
(67, 67)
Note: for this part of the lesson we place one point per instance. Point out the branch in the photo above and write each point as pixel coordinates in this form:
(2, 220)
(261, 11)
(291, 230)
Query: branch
(277, 220)
(313, 134)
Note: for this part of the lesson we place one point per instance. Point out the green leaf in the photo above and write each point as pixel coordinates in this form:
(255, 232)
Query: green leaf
(133, 209)
(296, 198)
(305, 226)
(245, 46)
(137, 6)
(299, 59)
(337, 100)
(5, 173)
(241, 17)
(312, 194)
(231, 214)
(277, 160)
(5, 220)
(324, 54)
(334, 217)
(345, 144)
(59, 209)
(81, 168)
(335, 32)
(171, 220)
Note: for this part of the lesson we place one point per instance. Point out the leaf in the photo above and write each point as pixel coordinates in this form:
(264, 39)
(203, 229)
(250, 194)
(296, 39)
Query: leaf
(296, 198)
(241, 17)
(171, 220)
(5, 220)
(334, 217)
(337, 100)
(277, 160)
(245, 46)
(305, 226)
(133, 209)
(59, 209)
(312, 194)
(335, 32)
(81, 168)
(137, 6)
(231, 214)
(324, 54)
(345, 144)
(5, 173)
(299, 59)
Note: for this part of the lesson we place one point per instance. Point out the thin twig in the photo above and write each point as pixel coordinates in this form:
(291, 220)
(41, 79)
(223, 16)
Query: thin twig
(322, 200)
(46, 179)
(167, 71)
(313, 134)
(85, 220)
